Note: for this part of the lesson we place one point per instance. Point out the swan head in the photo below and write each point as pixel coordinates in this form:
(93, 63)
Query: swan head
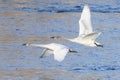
(26, 44)
(72, 51)
(98, 44)
(55, 37)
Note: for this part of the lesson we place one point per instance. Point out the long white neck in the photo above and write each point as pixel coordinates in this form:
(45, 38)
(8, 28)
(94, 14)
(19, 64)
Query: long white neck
(72, 40)
(37, 45)
(68, 39)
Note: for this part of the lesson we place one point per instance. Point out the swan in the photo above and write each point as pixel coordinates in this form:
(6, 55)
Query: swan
(86, 35)
(59, 50)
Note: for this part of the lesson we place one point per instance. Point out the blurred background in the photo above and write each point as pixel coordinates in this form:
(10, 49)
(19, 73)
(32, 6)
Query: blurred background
(35, 21)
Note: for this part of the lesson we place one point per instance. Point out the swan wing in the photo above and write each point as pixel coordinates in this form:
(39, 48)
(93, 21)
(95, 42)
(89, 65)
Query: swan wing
(91, 36)
(85, 26)
(60, 54)
(46, 52)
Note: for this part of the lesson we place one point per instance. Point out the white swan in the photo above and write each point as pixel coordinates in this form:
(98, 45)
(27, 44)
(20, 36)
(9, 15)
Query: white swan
(86, 35)
(59, 50)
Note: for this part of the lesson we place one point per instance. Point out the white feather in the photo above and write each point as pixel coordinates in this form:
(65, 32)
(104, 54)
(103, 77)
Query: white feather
(46, 52)
(58, 50)
(91, 36)
(85, 26)
(86, 35)
(60, 54)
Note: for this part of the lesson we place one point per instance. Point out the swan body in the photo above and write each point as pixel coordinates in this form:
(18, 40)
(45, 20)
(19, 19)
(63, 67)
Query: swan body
(86, 35)
(59, 50)
(87, 40)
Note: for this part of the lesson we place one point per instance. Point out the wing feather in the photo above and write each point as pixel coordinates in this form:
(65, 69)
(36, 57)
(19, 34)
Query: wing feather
(60, 54)
(85, 26)
(46, 52)
(91, 36)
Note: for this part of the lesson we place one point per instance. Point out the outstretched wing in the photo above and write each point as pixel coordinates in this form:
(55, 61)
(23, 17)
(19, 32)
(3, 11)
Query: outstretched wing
(46, 52)
(91, 36)
(85, 26)
(60, 54)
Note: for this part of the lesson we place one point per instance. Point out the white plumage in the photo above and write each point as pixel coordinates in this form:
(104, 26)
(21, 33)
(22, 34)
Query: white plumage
(86, 35)
(59, 50)
(85, 22)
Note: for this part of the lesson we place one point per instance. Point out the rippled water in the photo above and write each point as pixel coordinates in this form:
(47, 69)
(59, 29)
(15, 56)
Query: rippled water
(102, 6)
(34, 21)
(75, 7)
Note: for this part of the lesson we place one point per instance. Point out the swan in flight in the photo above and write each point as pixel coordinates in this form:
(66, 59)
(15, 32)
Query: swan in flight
(59, 50)
(86, 35)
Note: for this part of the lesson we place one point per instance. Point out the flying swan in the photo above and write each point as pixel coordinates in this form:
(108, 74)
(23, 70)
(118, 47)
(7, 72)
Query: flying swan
(86, 35)
(59, 50)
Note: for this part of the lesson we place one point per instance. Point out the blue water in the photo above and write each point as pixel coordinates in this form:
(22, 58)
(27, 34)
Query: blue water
(34, 21)
(102, 6)
(60, 8)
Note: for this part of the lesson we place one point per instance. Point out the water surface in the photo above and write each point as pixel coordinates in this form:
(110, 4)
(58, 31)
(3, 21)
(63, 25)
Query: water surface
(34, 21)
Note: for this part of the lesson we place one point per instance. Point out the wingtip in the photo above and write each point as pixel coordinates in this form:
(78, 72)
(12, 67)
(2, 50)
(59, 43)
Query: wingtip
(86, 6)
(99, 33)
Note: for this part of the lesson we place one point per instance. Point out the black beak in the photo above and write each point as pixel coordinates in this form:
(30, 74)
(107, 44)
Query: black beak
(98, 45)
(72, 51)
